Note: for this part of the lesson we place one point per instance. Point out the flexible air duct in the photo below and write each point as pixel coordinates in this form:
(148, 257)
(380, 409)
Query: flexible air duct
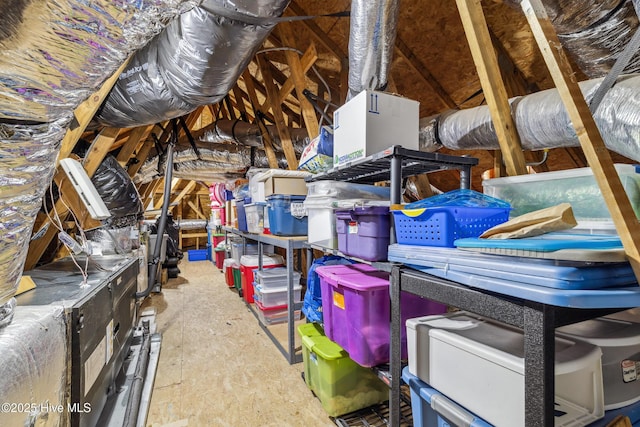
(195, 61)
(371, 40)
(542, 122)
(593, 33)
(53, 55)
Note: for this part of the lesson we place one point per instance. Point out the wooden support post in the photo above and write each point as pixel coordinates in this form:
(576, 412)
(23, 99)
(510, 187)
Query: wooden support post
(587, 131)
(276, 108)
(85, 112)
(484, 56)
(266, 137)
(135, 141)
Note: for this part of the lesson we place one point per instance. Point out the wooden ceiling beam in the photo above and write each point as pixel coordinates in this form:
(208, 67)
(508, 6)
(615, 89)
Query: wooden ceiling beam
(134, 142)
(298, 77)
(476, 30)
(266, 137)
(84, 113)
(591, 141)
(276, 108)
(318, 34)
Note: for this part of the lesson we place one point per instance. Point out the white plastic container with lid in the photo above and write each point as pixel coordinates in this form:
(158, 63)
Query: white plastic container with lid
(479, 364)
(619, 341)
(527, 193)
(275, 277)
(274, 297)
(252, 260)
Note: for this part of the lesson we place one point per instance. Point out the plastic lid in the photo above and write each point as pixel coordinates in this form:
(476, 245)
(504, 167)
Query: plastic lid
(324, 347)
(252, 260)
(310, 330)
(363, 281)
(344, 269)
(286, 197)
(460, 197)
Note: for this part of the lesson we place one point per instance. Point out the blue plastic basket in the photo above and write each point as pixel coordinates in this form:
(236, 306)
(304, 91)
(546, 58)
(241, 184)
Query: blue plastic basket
(441, 226)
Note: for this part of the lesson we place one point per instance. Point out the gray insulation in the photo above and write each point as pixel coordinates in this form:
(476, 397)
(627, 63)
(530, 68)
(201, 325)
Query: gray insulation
(542, 122)
(371, 41)
(195, 61)
(34, 369)
(593, 33)
(53, 55)
(221, 157)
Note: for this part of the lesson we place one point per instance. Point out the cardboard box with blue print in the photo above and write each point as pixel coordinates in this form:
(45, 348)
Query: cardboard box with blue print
(371, 122)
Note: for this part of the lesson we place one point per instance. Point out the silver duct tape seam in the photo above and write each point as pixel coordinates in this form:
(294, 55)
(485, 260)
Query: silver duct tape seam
(57, 52)
(27, 159)
(371, 41)
(195, 61)
(33, 360)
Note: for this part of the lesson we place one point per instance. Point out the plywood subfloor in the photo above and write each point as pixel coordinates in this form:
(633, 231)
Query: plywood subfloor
(217, 367)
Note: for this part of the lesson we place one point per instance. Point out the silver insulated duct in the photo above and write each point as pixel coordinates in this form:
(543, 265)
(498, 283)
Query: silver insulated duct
(53, 55)
(371, 41)
(542, 122)
(195, 61)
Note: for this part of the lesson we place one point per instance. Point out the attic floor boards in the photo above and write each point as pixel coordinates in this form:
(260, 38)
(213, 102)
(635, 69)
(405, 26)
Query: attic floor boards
(217, 367)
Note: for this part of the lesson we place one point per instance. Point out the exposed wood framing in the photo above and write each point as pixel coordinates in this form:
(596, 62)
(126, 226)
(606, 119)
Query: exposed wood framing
(266, 137)
(298, 77)
(276, 108)
(475, 27)
(178, 198)
(85, 112)
(196, 210)
(140, 157)
(175, 184)
(134, 142)
(585, 126)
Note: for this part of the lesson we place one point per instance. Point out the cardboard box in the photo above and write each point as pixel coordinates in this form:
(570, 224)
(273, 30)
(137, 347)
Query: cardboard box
(285, 185)
(371, 122)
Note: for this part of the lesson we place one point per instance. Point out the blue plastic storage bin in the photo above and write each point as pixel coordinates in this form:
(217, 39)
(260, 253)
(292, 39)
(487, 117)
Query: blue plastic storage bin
(431, 408)
(198, 255)
(242, 215)
(281, 220)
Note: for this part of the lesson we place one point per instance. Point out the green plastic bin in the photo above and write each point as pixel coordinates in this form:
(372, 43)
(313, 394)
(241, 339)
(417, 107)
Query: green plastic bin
(237, 278)
(341, 384)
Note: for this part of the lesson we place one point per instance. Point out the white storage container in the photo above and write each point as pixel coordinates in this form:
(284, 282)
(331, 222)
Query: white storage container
(249, 249)
(255, 214)
(275, 277)
(274, 297)
(347, 190)
(480, 365)
(619, 341)
(371, 122)
(321, 222)
(527, 193)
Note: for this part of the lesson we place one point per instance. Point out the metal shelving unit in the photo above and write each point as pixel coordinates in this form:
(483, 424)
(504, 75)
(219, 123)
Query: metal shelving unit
(289, 244)
(394, 164)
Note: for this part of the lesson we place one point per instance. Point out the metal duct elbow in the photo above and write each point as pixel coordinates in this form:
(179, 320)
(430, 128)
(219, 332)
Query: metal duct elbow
(195, 61)
(371, 41)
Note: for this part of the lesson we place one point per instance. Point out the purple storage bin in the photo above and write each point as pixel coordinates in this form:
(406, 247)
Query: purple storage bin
(364, 232)
(356, 311)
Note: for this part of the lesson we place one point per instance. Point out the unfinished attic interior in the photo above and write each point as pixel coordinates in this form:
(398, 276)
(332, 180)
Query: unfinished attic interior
(352, 213)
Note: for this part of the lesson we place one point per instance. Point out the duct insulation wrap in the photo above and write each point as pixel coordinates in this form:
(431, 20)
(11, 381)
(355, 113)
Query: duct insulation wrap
(371, 41)
(192, 224)
(594, 33)
(112, 240)
(27, 162)
(542, 121)
(220, 156)
(118, 193)
(34, 366)
(596, 48)
(195, 61)
(56, 53)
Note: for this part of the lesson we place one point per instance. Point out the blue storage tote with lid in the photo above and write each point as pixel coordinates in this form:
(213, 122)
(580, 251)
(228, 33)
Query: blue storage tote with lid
(287, 216)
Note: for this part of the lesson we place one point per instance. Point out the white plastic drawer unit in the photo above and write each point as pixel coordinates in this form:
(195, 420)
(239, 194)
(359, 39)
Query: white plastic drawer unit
(479, 364)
